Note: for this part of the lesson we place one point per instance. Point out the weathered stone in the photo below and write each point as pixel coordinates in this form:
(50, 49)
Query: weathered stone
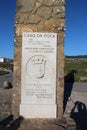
(37, 124)
(39, 16)
(18, 42)
(61, 53)
(17, 98)
(22, 18)
(59, 2)
(48, 2)
(15, 110)
(7, 85)
(16, 90)
(60, 39)
(34, 19)
(59, 11)
(41, 26)
(54, 2)
(83, 79)
(26, 18)
(38, 4)
(17, 63)
(25, 5)
(47, 12)
(17, 79)
(20, 28)
(54, 23)
(40, 0)
(16, 56)
(17, 70)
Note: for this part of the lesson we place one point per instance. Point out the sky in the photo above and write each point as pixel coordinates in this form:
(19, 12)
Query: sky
(75, 42)
(76, 27)
(7, 12)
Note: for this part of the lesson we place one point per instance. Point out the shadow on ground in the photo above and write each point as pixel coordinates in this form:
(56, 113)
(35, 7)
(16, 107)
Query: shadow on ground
(79, 111)
(68, 85)
(10, 124)
(32, 124)
(79, 115)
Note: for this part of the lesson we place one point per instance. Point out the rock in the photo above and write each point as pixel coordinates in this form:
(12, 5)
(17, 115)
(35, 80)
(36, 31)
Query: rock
(47, 12)
(25, 5)
(7, 85)
(83, 79)
(34, 19)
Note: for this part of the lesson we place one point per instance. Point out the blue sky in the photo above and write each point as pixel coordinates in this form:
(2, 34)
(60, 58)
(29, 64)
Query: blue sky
(7, 11)
(76, 28)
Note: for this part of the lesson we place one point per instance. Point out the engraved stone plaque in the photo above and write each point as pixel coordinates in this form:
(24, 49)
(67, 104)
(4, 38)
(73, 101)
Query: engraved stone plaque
(38, 75)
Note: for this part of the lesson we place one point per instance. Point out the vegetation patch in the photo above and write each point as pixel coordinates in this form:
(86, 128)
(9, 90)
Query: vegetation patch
(6, 65)
(3, 72)
(80, 66)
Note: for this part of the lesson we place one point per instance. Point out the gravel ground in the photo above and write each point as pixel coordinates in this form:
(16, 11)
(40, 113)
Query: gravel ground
(7, 77)
(79, 93)
(5, 102)
(5, 96)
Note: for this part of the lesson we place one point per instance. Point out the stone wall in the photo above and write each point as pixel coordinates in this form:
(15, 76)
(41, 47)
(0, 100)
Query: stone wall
(39, 16)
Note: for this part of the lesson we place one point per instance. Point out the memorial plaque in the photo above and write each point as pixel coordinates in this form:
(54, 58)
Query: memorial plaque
(38, 80)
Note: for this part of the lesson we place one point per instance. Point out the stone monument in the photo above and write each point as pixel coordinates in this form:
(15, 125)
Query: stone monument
(39, 59)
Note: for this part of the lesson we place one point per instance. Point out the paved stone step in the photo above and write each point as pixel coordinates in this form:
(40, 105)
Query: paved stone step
(40, 125)
(37, 124)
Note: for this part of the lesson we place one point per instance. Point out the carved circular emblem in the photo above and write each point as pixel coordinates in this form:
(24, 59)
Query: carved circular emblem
(36, 66)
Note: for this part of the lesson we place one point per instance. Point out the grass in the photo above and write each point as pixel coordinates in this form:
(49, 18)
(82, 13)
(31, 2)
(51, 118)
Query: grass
(6, 65)
(79, 65)
(3, 73)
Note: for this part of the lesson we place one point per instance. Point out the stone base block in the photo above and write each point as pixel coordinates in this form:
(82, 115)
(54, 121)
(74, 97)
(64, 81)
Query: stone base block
(38, 111)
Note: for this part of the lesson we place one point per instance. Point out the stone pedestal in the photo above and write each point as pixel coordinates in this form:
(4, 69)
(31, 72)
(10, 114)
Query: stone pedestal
(39, 59)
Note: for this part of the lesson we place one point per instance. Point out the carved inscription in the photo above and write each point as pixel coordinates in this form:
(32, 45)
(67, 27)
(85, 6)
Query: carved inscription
(39, 68)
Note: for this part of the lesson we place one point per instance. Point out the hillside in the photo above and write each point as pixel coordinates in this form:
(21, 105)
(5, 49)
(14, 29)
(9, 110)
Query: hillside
(79, 64)
(78, 56)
